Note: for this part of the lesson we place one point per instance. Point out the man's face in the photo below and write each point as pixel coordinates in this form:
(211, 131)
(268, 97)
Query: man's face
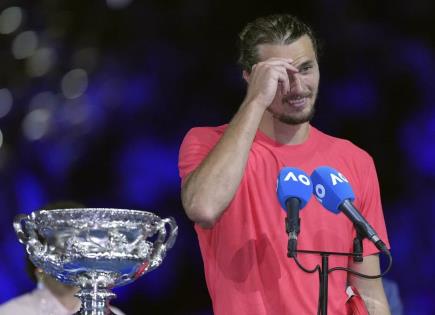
(297, 106)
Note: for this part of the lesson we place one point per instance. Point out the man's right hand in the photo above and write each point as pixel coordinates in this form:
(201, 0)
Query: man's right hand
(265, 79)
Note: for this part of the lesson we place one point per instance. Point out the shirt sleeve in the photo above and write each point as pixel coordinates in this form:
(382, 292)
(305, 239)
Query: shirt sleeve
(196, 145)
(371, 207)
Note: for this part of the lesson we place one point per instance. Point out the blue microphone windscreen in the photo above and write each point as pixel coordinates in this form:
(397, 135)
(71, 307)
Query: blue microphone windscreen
(331, 188)
(293, 182)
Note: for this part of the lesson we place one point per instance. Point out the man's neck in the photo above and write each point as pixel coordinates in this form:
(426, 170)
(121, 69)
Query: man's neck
(284, 133)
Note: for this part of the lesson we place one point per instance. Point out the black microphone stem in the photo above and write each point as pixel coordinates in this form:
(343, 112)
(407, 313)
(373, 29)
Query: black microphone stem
(292, 225)
(363, 228)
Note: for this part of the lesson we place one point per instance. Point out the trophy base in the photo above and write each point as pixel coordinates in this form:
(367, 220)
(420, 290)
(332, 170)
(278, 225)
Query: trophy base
(95, 301)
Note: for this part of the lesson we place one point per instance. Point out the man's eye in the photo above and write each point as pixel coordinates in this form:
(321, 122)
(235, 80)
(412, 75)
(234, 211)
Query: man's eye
(306, 68)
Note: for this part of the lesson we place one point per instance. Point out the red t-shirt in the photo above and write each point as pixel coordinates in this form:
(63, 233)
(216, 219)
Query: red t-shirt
(245, 253)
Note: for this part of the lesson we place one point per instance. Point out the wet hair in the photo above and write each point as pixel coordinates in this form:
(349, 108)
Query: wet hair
(280, 29)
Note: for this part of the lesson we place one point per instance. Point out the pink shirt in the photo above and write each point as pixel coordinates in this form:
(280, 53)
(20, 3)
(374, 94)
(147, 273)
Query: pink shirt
(40, 302)
(245, 253)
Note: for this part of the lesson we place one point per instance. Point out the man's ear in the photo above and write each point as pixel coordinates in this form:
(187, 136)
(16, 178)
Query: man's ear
(246, 76)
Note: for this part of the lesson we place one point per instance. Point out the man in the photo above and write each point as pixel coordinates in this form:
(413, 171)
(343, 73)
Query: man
(229, 178)
(51, 297)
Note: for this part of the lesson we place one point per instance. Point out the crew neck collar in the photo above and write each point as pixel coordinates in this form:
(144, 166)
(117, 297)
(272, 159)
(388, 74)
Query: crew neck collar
(312, 133)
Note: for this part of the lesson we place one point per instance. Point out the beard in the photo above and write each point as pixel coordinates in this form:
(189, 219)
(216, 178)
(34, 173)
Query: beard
(295, 118)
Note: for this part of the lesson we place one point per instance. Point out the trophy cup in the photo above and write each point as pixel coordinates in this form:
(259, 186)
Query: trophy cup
(95, 249)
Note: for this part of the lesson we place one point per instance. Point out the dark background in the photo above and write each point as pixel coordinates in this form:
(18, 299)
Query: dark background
(96, 96)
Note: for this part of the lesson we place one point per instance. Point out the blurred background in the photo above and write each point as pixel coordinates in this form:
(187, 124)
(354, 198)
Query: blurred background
(96, 96)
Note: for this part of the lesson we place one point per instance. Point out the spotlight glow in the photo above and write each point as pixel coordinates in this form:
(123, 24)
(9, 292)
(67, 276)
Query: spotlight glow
(24, 45)
(10, 20)
(41, 62)
(6, 101)
(74, 83)
(44, 100)
(36, 124)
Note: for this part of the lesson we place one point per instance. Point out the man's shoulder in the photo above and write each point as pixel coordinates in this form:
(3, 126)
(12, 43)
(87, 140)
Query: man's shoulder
(208, 129)
(206, 133)
(341, 144)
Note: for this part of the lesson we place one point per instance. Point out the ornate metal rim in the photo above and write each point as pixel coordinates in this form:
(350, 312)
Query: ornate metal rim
(62, 217)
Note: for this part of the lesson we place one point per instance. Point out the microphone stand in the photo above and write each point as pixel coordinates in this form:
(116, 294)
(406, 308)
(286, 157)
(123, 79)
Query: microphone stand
(324, 269)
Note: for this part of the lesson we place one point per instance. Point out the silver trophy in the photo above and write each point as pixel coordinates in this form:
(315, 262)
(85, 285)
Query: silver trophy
(95, 249)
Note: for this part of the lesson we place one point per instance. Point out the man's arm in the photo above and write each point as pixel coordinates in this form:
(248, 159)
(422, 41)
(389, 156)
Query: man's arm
(371, 290)
(208, 190)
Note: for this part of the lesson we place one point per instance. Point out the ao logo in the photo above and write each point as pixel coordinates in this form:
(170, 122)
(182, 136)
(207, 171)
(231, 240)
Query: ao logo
(335, 179)
(300, 178)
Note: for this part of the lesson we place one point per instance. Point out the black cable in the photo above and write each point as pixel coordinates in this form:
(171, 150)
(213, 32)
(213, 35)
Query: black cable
(390, 263)
(304, 269)
(317, 268)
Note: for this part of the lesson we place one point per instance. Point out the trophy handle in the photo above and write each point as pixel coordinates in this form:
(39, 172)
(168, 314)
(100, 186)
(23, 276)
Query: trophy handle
(173, 232)
(27, 235)
(23, 237)
(165, 240)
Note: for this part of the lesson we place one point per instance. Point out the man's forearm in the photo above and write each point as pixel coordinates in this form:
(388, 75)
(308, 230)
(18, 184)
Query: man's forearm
(376, 307)
(210, 188)
(371, 290)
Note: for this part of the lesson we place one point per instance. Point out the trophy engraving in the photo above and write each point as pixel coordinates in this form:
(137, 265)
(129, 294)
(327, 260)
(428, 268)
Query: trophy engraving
(95, 249)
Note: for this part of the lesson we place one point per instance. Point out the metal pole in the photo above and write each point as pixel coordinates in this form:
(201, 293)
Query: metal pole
(324, 284)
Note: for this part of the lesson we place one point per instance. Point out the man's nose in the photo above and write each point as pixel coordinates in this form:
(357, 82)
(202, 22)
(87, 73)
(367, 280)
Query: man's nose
(297, 85)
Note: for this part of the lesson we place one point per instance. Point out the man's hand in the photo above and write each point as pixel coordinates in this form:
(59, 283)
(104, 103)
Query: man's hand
(265, 79)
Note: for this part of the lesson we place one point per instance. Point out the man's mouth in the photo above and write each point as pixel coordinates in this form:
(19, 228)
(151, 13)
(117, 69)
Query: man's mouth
(296, 101)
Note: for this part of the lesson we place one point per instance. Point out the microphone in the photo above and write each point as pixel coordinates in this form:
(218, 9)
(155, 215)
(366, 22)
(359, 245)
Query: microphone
(294, 190)
(334, 192)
